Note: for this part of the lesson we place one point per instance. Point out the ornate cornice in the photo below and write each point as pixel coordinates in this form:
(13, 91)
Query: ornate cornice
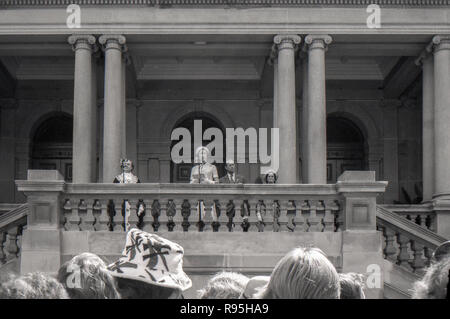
(195, 3)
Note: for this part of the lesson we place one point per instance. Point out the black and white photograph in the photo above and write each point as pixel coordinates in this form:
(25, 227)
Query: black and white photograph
(235, 150)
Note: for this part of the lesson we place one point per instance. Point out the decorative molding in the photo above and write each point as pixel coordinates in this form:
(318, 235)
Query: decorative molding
(226, 3)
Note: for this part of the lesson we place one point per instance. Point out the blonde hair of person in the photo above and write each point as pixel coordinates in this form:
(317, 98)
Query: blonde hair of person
(224, 285)
(434, 284)
(34, 285)
(352, 285)
(86, 276)
(304, 273)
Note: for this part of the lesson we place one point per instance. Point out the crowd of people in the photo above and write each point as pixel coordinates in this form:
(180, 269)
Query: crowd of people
(151, 267)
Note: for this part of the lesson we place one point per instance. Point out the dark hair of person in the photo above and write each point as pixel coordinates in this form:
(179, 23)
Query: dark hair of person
(135, 289)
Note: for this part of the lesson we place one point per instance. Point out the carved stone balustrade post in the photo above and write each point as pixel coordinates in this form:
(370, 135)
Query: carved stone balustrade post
(361, 254)
(41, 241)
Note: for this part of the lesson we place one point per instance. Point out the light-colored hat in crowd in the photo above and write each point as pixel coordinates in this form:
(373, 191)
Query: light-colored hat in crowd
(151, 259)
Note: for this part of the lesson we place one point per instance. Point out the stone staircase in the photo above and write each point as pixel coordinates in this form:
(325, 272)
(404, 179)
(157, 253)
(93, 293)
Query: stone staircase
(407, 251)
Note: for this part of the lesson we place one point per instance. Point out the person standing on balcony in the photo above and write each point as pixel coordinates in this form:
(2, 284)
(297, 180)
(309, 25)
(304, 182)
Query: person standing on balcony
(127, 177)
(204, 173)
(232, 178)
(270, 178)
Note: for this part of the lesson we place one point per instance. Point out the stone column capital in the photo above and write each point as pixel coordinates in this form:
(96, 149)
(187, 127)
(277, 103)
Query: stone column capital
(82, 41)
(441, 42)
(113, 41)
(317, 41)
(286, 41)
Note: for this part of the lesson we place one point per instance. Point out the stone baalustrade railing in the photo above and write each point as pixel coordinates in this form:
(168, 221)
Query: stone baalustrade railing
(406, 243)
(348, 204)
(175, 207)
(421, 214)
(12, 223)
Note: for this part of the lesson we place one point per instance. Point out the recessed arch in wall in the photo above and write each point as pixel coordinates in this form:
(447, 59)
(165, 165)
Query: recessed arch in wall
(51, 143)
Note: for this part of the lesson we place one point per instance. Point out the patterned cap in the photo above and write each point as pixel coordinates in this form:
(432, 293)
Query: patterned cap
(151, 259)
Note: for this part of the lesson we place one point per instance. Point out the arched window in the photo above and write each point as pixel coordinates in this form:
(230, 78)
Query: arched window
(345, 147)
(180, 173)
(52, 145)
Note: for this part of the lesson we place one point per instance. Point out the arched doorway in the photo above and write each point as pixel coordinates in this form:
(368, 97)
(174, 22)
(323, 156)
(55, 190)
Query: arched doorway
(345, 147)
(180, 173)
(52, 145)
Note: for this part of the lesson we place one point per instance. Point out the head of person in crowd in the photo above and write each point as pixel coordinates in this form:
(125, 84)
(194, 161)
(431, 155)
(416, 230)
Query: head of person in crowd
(224, 285)
(435, 282)
(304, 273)
(151, 267)
(34, 285)
(254, 285)
(86, 276)
(442, 251)
(352, 286)
(201, 154)
(271, 177)
(230, 166)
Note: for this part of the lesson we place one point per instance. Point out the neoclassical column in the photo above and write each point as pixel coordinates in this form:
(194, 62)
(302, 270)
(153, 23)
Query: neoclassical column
(125, 61)
(84, 111)
(304, 120)
(275, 92)
(442, 115)
(427, 62)
(285, 112)
(113, 114)
(316, 114)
